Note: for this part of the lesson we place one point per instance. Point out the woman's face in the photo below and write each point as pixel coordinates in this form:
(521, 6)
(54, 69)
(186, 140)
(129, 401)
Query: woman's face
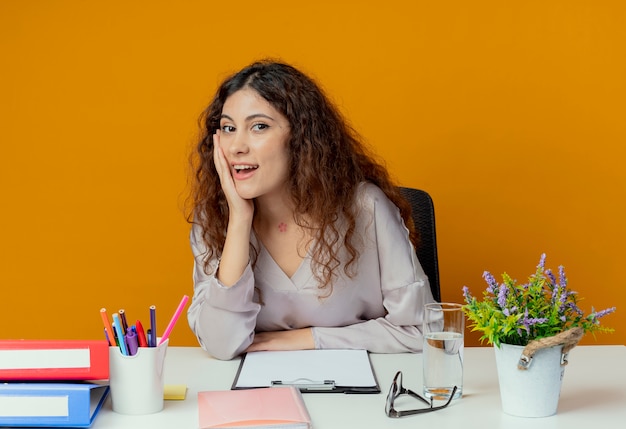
(254, 139)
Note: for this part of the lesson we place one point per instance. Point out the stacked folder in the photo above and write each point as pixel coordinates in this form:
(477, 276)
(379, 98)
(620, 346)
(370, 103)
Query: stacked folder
(47, 383)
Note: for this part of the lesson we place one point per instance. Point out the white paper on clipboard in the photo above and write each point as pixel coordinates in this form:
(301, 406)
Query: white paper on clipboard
(348, 370)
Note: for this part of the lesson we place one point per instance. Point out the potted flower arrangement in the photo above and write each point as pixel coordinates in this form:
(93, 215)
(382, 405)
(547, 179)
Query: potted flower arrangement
(536, 321)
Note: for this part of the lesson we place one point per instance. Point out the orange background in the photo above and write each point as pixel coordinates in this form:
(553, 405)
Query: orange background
(511, 114)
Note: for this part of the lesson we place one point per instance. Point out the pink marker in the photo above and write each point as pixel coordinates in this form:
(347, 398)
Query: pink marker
(175, 317)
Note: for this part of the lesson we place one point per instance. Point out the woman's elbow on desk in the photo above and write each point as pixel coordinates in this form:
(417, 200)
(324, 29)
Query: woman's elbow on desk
(225, 351)
(217, 339)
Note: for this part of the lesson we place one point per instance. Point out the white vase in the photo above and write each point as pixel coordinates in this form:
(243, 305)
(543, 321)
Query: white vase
(533, 392)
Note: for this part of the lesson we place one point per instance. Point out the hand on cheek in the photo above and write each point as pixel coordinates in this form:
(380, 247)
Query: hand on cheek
(221, 165)
(236, 204)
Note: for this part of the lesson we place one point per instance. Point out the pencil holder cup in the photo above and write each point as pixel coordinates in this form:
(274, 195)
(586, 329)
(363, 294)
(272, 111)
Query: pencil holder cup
(137, 381)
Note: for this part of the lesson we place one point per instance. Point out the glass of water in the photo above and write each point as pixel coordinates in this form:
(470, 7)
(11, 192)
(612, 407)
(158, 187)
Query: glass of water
(444, 325)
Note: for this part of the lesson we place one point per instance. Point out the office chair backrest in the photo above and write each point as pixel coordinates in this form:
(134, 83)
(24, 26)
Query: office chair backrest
(423, 213)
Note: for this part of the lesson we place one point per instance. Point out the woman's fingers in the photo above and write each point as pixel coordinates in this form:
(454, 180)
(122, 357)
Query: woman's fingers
(223, 169)
(221, 165)
(236, 204)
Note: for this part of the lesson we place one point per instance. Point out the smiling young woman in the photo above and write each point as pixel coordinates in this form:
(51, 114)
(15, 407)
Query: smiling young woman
(300, 238)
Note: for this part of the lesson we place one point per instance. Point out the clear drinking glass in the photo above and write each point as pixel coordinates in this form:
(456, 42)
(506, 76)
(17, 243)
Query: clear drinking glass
(444, 325)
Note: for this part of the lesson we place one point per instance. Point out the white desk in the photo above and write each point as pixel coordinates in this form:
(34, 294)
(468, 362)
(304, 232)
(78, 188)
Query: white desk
(593, 394)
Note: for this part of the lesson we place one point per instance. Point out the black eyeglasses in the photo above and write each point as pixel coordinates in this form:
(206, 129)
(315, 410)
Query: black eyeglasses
(397, 389)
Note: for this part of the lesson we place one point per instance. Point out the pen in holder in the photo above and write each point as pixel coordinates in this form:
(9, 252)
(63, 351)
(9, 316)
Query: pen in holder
(137, 381)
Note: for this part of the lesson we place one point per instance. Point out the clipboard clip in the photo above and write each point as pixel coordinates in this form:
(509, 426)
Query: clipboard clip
(306, 384)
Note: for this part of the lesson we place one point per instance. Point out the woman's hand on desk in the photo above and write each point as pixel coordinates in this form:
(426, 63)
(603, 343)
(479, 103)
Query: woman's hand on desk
(296, 339)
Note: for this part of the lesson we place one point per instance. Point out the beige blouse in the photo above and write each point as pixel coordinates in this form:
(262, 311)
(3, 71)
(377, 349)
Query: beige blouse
(379, 309)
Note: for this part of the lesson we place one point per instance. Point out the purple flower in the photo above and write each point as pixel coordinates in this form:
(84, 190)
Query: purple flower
(508, 311)
(529, 321)
(491, 282)
(550, 275)
(603, 313)
(563, 298)
(466, 294)
(542, 262)
(562, 278)
(574, 308)
(555, 293)
(502, 297)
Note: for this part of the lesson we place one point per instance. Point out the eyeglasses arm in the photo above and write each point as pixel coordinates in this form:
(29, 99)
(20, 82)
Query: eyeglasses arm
(416, 396)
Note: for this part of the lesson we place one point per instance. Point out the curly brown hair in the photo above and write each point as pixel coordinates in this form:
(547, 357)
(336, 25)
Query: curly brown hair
(328, 160)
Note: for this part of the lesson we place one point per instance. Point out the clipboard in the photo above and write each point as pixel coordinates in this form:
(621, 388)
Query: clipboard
(311, 371)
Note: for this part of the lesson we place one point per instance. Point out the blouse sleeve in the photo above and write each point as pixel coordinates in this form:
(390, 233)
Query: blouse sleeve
(222, 318)
(403, 284)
